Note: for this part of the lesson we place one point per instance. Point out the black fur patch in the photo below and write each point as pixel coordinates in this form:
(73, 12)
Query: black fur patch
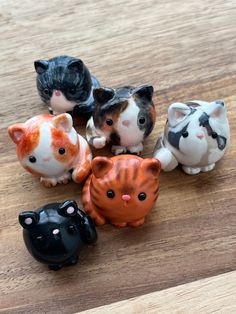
(174, 138)
(115, 138)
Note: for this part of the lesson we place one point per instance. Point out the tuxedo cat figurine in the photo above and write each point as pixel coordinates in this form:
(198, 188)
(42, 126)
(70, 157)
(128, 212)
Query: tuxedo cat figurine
(65, 84)
(49, 147)
(122, 189)
(196, 136)
(55, 233)
(123, 117)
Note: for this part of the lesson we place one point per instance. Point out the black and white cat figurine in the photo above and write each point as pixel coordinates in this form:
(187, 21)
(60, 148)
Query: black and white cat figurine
(196, 136)
(65, 84)
(122, 117)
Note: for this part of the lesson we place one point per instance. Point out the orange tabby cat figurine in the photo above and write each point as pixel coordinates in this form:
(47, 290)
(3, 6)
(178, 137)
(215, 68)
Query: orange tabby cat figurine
(122, 189)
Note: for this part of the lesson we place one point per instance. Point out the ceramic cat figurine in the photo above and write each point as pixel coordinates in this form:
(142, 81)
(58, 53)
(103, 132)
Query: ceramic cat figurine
(122, 189)
(65, 84)
(123, 117)
(196, 136)
(55, 233)
(49, 147)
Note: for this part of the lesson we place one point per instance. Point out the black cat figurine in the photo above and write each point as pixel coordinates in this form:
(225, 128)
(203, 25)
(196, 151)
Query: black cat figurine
(65, 84)
(55, 233)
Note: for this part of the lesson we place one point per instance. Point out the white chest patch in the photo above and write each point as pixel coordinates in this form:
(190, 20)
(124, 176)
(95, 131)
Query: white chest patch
(127, 127)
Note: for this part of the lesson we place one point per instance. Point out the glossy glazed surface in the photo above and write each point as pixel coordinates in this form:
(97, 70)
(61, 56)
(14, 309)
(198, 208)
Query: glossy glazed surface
(55, 233)
(49, 147)
(196, 136)
(122, 189)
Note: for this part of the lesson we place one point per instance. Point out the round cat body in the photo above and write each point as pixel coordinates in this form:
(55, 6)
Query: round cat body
(65, 84)
(55, 233)
(123, 117)
(196, 136)
(48, 146)
(122, 189)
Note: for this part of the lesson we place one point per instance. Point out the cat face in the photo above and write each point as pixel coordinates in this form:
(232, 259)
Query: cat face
(63, 82)
(196, 129)
(126, 111)
(52, 234)
(124, 187)
(46, 145)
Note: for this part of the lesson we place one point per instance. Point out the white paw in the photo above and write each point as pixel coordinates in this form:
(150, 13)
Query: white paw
(166, 158)
(191, 170)
(99, 142)
(208, 168)
(64, 178)
(135, 149)
(117, 150)
(48, 182)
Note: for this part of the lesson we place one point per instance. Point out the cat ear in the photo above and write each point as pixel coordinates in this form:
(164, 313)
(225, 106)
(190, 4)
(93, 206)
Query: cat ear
(177, 112)
(144, 91)
(63, 122)
(103, 95)
(151, 166)
(16, 132)
(68, 208)
(28, 219)
(100, 166)
(41, 66)
(217, 109)
(75, 65)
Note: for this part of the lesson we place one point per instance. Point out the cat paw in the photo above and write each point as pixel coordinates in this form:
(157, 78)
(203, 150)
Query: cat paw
(191, 170)
(99, 142)
(208, 168)
(118, 150)
(136, 223)
(65, 178)
(48, 182)
(119, 224)
(135, 149)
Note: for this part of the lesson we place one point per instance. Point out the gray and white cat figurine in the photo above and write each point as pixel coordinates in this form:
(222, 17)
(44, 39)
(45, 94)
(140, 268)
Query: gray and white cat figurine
(196, 136)
(122, 117)
(65, 84)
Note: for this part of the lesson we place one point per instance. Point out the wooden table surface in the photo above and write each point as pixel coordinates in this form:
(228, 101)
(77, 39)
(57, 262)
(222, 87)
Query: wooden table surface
(186, 50)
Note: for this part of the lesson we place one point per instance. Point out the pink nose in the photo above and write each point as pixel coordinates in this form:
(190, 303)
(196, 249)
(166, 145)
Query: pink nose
(57, 93)
(126, 123)
(46, 158)
(126, 197)
(200, 135)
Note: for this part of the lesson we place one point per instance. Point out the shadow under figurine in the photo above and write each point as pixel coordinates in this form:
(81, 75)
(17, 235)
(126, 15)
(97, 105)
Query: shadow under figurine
(196, 136)
(123, 117)
(55, 233)
(122, 189)
(65, 84)
(49, 147)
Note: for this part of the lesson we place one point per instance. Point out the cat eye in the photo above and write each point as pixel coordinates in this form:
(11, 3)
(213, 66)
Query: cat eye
(214, 135)
(185, 134)
(71, 229)
(142, 196)
(109, 122)
(110, 194)
(46, 91)
(32, 159)
(61, 150)
(142, 120)
(72, 90)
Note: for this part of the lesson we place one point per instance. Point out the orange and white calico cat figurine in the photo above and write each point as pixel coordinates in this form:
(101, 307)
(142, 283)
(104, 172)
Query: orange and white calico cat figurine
(122, 189)
(49, 147)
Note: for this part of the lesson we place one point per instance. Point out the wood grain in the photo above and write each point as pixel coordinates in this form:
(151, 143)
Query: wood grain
(212, 295)
(187, 51)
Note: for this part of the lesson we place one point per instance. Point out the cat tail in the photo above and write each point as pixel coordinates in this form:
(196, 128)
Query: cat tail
(92, 135)
(164, 155)
(83, 167)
